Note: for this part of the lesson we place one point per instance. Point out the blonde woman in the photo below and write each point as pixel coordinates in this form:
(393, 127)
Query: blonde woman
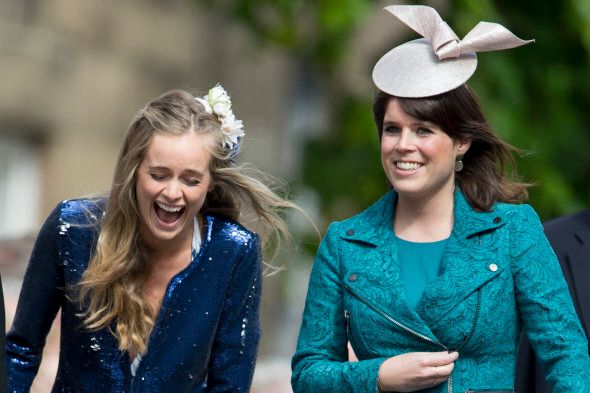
(159, 284)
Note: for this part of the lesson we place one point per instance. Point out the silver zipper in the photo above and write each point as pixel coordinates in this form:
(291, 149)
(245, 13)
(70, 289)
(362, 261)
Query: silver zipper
(450, 383)
(400, 325)
(389, 318)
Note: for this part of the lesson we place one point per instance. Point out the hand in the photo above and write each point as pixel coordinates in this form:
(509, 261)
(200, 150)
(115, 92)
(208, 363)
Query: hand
(416, 370)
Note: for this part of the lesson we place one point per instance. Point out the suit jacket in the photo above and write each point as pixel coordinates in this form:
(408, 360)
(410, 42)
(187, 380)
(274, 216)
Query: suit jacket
(205, 336)
(498, 275)
(2, 343)
(570, 238)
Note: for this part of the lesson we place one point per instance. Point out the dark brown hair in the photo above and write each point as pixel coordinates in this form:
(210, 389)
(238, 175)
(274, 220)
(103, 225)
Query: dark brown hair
(489, 174)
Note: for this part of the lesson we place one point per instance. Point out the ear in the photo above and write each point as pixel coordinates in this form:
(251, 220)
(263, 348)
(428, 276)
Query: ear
(463, 146)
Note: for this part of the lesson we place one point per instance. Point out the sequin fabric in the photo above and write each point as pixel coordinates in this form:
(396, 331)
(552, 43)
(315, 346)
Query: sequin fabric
(206, 335)
(499, 277)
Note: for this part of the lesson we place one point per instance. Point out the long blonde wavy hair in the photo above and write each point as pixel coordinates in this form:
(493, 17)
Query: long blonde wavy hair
(110, 291)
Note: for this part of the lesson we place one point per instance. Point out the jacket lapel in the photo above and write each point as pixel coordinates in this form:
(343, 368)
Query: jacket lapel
(465, 265)
(380, 282)
(469, 261)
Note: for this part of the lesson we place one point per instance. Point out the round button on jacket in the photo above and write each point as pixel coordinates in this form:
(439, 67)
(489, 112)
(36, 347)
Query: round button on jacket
(350, 232)
(493, 267)
(352, 277)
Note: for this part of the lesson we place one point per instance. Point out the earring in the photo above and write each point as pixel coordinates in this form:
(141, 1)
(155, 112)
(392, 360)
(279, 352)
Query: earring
(459, 163)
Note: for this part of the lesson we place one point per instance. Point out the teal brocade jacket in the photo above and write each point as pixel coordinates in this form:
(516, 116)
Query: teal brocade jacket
(499, 276)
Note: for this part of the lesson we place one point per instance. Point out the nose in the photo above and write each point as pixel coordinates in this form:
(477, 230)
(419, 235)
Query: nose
(405, 140)
(173, 190)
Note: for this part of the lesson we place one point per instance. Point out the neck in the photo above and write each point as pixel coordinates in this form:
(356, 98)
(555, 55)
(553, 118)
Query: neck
(170, 253)
(424, 219)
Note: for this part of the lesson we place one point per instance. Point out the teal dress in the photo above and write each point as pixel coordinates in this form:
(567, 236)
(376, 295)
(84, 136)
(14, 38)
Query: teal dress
(420, 265)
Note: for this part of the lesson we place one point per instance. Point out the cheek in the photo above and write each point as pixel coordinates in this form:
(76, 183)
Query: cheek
(443, 151)
(144, 190)
(197, 199)
(198, 195)
(387, 145)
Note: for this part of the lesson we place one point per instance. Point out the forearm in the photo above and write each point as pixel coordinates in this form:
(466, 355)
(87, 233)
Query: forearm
(316, 374)
(233, 356)
(550, 321)
(40, 298)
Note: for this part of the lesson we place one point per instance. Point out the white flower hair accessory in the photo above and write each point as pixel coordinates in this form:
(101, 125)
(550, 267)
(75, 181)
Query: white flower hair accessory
(217, 102)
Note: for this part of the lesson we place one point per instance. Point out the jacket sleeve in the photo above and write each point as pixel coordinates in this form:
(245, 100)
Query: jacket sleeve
(320, 363)
(547, 310)
(235, 347)
(40, 298)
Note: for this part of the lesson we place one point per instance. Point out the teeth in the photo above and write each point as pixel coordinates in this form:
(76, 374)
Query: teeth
(171, 209)
(407, 165)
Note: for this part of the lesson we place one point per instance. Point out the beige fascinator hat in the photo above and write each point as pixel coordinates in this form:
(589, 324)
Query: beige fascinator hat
(440, 61)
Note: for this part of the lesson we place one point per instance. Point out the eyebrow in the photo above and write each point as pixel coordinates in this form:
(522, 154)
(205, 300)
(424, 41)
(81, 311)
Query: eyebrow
(414, 124)
(192, 172)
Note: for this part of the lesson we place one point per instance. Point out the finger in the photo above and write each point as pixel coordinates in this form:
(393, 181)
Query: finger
(443, 372)
(441, 358)
(436, 377)
(438, 381)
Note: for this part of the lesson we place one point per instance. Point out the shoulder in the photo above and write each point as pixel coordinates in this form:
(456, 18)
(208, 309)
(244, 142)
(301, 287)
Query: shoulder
(383, 206)
(73, 213)
(577, 222)
(81, 211)
(569, 232)
(367, 228)
(376, 217)
(70, 226)
(518, 215)
(227, 230)
(522, 223)
(525, 230)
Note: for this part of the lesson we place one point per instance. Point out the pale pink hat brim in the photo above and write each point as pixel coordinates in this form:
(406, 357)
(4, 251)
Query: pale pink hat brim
(412, 70)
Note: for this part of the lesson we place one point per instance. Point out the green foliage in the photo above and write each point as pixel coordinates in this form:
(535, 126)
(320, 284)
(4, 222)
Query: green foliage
(344, 167)
(317, 31)
(537, 97)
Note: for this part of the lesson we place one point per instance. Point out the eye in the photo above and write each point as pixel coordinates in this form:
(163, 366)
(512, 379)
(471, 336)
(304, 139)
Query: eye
(156, 177)
(390, 129)
(424, 131)
(192, 181)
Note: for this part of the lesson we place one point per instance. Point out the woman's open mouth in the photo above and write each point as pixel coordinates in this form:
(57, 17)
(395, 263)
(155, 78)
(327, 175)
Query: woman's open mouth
(168, 214)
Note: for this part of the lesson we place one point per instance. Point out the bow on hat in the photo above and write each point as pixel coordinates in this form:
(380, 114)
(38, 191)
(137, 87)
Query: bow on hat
(483, 37)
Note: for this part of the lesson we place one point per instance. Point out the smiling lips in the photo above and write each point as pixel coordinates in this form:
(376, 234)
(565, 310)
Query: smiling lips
(407, 166)
(168, 214)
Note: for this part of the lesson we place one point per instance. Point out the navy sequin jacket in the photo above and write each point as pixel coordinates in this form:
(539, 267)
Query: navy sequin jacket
(205, 337)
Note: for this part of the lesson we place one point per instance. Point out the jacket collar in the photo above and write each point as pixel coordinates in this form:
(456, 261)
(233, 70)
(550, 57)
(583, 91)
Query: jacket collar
(373, 225)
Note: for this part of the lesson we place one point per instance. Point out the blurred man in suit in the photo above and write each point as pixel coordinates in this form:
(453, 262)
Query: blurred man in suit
(570, 238)
(3, 386)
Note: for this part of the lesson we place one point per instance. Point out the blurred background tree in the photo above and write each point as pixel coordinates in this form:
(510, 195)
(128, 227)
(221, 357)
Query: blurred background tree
(537, 98)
